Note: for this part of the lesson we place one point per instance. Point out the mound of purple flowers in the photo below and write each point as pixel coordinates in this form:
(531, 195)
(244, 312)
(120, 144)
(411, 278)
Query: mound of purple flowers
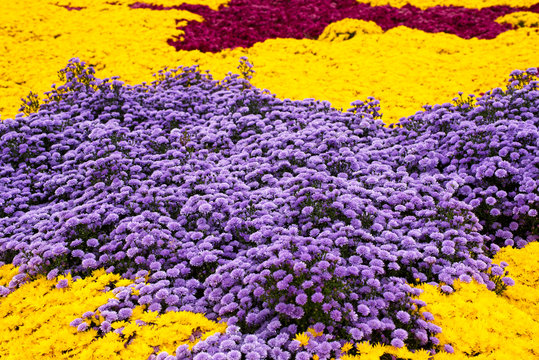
(273, 215)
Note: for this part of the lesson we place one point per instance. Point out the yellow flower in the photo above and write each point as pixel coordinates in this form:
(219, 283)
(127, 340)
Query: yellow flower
(520, 19)
(314, 332)
(303, 339)
(422, 355)
(316, 357)
(347, 347)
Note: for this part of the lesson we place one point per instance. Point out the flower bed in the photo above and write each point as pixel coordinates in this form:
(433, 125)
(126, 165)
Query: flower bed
(274, 216)
(243, 23)
(204, 218)
(416, 68)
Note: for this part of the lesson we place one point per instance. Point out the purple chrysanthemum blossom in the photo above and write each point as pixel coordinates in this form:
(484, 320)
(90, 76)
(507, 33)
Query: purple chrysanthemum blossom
(398, 343)
(125, 313)
(317, 297)
(52, 274)
(496, 271)
(301, 299)
(403, 316)
(508, 281)
(400, 334)
(62, 284)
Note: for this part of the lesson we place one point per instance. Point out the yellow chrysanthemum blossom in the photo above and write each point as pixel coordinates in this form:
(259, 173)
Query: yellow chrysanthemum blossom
(522, 265)
(314, 332)
(212, 4)
(302, 338)
(347, 347)
(35, 321)
(7, 272)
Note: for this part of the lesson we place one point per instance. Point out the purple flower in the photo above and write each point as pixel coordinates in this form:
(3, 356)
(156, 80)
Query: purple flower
(62, 284)
(155, 307)
(76, 322)
(495, 212)
(125, 313)
(403, 316)
(52, 274)
(496, 271)
(301, 299)
(4, 291)
(400, 334)
(89, 263)
(500, 173)
(508, 281)
(363, 310)
(356, 334)
(336, 315)
(317, 297)
(398, 343)
(447, 289)
(105, 326)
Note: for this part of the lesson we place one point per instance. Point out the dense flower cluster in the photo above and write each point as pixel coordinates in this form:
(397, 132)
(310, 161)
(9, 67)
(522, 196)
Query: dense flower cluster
(471, 307)
(416, 68)
(488, 150)
(347, 29)
(521, 19)
(43, 34)
(243, 23)
(472, 4)
(35, 321)
(274, 215)
(504, 327)
(521, 265)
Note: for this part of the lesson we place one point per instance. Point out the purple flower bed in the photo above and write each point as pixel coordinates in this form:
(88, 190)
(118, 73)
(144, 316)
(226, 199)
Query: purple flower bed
(271, 214)
(242, 23)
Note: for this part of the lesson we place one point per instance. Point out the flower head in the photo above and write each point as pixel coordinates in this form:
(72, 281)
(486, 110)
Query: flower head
(302, 338)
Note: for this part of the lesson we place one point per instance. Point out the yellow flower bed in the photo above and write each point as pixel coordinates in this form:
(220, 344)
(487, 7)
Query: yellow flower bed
(403, 68)
(35, 321)
(472, 4)
(479, 324)
(520, 19)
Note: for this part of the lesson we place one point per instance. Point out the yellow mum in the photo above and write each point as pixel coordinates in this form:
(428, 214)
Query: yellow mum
(302, 338)
(520, 19)
(348, 28)
(35, 318)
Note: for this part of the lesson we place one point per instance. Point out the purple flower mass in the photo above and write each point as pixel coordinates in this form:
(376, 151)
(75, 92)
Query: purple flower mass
(242, 23)
(233, 203)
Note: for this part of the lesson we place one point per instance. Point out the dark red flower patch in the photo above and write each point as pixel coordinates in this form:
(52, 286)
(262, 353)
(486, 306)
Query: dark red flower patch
(245, 22)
